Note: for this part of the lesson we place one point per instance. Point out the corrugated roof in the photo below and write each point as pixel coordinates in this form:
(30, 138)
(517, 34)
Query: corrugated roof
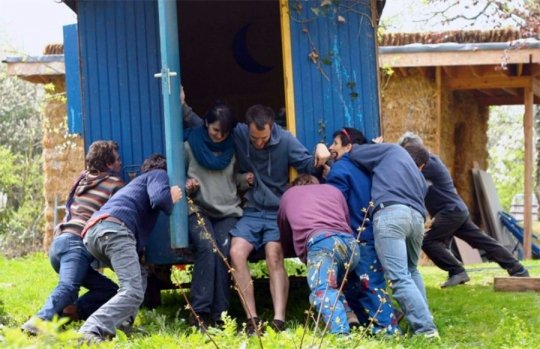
(455, 36)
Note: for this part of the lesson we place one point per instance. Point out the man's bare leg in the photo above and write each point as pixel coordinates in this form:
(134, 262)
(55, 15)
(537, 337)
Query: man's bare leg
(240, 250)
(279, 281)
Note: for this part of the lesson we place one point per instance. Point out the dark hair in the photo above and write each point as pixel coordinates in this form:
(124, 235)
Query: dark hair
(261, 116)
(223, 114)
(154, 162)
(418, 153)
(350, 135)
(100, 155)
(305, 179)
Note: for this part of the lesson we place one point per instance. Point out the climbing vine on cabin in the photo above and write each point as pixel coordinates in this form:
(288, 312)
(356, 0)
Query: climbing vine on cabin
(335, 12)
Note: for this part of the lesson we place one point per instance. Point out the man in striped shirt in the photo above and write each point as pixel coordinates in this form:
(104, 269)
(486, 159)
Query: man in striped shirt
(67, 254)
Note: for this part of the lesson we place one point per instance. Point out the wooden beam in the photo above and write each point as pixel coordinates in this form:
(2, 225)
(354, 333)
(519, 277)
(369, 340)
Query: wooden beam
(519, 70)
(487, 92)
(528, 180)
(488, 83)
(516, 284)
(438, 83)
(536, 86)
(510, 91)
(454, 58)
(502, 100)
(22, 69)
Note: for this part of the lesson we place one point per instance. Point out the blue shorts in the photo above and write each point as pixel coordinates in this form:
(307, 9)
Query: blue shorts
(257, 227)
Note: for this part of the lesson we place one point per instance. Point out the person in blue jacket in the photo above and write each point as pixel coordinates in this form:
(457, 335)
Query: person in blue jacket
(116, 236)
(366, 294)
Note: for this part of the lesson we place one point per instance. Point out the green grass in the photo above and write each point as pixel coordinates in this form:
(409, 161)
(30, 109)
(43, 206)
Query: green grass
(469, 316)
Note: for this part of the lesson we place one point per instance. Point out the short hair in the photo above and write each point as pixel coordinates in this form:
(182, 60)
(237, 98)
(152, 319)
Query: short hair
(418, 153)
(222, 113)
(304, 179)
(350, 135)
(101, 155)
(261, 116)
(409, 138)
(154, 162)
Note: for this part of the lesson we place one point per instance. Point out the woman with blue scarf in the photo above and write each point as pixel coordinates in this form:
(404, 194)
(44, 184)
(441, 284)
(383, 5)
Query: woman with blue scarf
(211, 183)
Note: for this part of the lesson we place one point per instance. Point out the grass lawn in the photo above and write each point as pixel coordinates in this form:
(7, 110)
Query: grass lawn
(468, 316)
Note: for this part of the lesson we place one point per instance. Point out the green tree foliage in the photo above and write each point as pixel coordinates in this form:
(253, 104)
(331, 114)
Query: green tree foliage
(506, 152)
(21, 177)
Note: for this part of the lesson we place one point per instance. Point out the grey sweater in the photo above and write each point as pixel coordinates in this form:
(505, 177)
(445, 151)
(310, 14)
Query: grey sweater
(217, 195)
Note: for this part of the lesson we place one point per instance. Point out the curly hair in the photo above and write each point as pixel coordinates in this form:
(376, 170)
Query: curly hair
(100, 155)
(154, 162)
(304, 179)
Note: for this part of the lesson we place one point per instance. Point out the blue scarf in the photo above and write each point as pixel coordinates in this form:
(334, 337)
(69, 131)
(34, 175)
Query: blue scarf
(213, 156)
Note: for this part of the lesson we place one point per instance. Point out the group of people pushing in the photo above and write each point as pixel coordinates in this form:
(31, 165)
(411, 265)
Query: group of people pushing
(365, 224)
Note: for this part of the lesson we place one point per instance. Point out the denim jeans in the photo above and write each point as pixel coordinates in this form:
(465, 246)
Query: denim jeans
(71, 261)
(328, 255)
(366, 293)
(399, 231)
(210, 291)
(115, 245)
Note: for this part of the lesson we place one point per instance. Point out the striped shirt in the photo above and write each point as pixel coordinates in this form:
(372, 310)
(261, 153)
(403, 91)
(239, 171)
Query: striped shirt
(90, 193)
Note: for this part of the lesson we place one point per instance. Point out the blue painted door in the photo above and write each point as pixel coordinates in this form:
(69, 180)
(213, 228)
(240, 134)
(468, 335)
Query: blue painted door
(121, 98)
(334, 68)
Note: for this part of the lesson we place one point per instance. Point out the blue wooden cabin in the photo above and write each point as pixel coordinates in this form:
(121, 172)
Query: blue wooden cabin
(314, 62)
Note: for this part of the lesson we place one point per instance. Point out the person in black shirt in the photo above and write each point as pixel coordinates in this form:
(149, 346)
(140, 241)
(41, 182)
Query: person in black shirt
(451, 218)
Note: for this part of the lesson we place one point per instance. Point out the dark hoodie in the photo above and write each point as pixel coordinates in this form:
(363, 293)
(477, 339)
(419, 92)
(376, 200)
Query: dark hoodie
(270, 165)
(87, 195)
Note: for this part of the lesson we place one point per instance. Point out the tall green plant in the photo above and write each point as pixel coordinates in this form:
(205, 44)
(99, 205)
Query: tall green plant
(506, 152)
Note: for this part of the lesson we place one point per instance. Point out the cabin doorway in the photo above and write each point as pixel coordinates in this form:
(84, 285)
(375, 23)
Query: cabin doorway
(231, 51)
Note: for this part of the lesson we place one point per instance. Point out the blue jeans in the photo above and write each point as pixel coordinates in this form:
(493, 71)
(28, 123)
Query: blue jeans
(210, 291)
(328, 254)
(366, 293)
(115, 245)
(399, 231)
(71, 261)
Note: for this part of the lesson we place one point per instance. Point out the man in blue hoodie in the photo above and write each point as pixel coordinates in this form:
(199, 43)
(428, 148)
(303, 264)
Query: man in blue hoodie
(265, 151)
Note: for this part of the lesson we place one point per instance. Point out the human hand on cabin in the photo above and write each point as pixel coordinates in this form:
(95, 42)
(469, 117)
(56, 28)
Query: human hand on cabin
(182, 95)
(325, 171)
(378, 140)
(192, 185)
(250, 177)
(176, 193)
(322, 154)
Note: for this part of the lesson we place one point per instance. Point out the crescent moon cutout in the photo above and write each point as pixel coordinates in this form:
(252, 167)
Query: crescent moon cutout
(242, 55)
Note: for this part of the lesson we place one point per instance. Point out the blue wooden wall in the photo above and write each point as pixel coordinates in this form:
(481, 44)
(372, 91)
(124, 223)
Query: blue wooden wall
(119, 42)
(122, 100)
(340, 88)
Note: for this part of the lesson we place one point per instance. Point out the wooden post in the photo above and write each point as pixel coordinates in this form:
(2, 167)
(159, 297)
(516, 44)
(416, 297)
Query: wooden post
(438, 83)
(528, 133)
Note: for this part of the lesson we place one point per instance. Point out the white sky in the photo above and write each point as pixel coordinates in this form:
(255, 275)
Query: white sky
(27, 26)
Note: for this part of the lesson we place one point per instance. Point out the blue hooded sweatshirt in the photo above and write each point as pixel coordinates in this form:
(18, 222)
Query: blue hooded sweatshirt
(270, 165)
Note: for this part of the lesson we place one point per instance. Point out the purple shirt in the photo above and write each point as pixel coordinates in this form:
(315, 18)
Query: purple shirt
(306, 210)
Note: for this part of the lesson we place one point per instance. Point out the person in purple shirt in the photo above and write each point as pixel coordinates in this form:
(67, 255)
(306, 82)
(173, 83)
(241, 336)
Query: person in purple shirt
(314, 220)
(116, 236)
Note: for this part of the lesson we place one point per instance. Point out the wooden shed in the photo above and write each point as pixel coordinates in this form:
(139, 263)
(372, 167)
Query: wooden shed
(441, 85)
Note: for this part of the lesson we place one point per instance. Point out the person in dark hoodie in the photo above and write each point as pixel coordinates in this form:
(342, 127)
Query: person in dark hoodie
(450, 217)
(265, 151)
(67, 254)
(398, 189)
(117, 234)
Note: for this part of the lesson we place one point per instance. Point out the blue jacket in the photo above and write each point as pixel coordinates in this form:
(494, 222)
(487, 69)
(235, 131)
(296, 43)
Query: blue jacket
(270, 165)
(355, 185)
(139, 202)
(395, 177)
